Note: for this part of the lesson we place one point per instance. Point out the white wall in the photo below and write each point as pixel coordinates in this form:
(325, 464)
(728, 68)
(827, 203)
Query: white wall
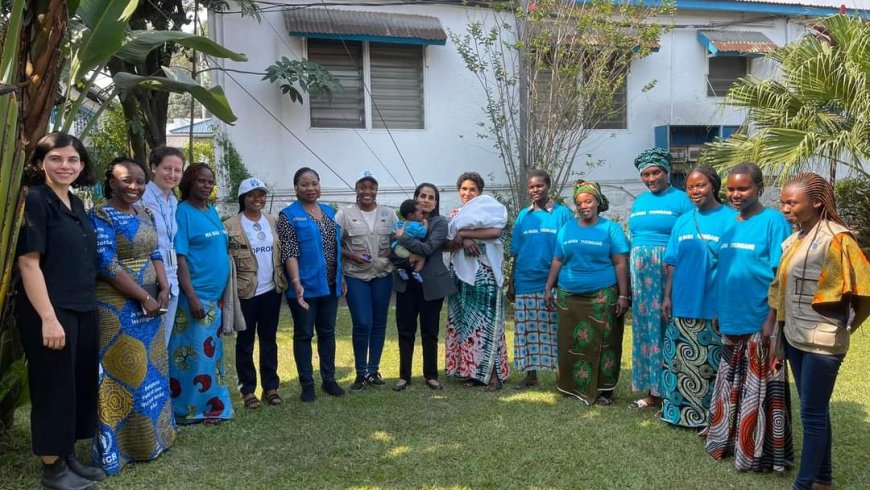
(449, 144)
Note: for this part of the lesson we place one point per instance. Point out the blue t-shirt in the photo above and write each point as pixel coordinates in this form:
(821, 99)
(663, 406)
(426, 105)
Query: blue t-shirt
(654, 215)
(586, 253)
(748, 257)
(694, 257)
(532, 243)
(204, 242)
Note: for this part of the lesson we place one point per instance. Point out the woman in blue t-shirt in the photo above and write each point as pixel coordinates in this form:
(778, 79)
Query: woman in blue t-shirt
(750, 414)
(533, 240)
(691, 348)
(652, 217)
(590, 267)
(198, 378)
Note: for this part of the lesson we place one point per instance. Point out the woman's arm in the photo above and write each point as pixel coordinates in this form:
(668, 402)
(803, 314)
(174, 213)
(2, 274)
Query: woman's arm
(435, 240)
(162, 283)
(552, 277)
(184, 282)
(479, 234)
(292, 266)
(53, 335)
(620, 263)
(667, 306)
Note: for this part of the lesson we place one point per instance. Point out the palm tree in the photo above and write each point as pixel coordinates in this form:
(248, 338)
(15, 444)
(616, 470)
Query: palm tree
(815, 115)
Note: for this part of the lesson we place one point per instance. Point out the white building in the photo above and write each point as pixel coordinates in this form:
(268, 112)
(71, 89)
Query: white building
(432, 103)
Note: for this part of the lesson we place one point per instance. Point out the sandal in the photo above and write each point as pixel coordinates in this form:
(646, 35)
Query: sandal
(472, 383)
(493, 386)
(401, 385)
(643, 403)
(273, 397)
(251, 401)
(433, 384)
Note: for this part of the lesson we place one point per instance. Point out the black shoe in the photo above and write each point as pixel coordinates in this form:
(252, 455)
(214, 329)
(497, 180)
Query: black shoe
(332, 388)
(359, 384)
(92, 473)
(375, 379)
(307, 395)
(59, 476)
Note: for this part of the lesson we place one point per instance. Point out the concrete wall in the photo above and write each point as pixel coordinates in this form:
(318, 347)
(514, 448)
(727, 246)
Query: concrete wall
(449, 145)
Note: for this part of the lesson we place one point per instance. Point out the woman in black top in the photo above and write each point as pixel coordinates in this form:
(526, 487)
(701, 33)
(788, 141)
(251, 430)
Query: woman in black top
(56, 309)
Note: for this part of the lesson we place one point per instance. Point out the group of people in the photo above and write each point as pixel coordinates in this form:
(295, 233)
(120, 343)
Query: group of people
(122, 309)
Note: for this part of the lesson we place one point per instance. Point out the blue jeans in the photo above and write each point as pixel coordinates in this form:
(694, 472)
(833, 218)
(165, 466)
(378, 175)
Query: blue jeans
(814, 376)
(320, 317)
(368, 302)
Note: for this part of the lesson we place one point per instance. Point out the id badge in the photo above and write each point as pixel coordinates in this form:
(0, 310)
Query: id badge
(173, 259)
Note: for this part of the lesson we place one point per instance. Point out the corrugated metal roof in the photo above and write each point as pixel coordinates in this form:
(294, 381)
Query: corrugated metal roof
(736, 42)
(356, 25)
(205, 126)
(850, 4)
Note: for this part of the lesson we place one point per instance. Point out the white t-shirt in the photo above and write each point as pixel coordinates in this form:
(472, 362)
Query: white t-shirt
(261, 240)
(370, 217)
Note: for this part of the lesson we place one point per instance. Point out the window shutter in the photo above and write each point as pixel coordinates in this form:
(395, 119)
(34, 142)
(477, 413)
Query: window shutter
(723, 71)
(345, 109)
(396, 86)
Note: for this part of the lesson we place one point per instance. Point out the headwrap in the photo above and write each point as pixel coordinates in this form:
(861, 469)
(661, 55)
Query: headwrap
(593, 188)
(654, 157)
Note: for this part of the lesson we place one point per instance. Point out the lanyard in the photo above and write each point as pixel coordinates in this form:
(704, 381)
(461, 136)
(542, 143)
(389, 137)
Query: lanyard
(167, 221)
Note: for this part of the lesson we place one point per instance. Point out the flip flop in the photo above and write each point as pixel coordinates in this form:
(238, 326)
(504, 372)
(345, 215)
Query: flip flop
(641, 404)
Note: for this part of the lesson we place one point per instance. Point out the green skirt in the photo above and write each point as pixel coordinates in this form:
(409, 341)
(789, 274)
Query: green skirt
(590, 343)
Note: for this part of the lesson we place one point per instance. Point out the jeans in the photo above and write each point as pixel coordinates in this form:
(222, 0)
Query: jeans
(814, 375)
(410, 305)
(261, 319)
(319, 317)
(368, 302)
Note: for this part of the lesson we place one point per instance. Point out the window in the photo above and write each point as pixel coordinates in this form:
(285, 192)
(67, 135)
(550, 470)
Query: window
(616, 117)
(723, 71)
(395, 96)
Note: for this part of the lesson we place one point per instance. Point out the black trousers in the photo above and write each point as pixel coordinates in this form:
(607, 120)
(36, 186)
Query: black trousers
(261, 318)
(410, 305)
(63, 383)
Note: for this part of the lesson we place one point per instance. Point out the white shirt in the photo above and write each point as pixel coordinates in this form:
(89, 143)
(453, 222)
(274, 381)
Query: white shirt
(261, 240)
(163, 208)
(370, 217)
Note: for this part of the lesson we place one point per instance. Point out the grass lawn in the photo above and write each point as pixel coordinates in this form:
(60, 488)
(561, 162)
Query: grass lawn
(456, 438)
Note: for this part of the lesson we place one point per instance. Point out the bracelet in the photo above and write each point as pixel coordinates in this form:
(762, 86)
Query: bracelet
(294, 280)
(622, 296)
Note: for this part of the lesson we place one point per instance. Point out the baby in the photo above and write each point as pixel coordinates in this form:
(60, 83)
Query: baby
(415, 226)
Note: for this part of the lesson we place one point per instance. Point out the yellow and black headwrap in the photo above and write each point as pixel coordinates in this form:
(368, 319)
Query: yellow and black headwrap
(593, 188)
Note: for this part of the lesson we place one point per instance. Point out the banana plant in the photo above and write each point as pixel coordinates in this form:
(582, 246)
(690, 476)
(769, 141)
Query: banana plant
(105, 34)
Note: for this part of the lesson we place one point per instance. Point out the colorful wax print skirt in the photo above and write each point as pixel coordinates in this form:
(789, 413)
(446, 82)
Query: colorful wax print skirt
(692, 353)
(647, 328)
(536, 333)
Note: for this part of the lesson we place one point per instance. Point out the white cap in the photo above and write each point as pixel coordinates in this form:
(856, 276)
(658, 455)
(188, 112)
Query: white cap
(251, 184)
(366, 174)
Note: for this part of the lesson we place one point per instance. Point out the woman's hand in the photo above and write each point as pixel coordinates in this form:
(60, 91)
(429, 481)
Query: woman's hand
(359, 259)
(622, 305)
(470, 247)
(300, 294)
(667, 308)
(163, 298)
(343, 288)
(151, 306)
(716, 326)
(53, 335)
(400, 230)
(550, 296)
(196, 308)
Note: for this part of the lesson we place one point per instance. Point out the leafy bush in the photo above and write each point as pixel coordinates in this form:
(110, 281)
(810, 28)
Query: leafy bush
(853, 204)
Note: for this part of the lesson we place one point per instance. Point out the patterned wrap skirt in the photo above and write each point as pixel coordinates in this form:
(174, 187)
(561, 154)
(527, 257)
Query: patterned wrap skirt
(536, 334)
(750, 416)
(590, 343)
(475, 342)
(692, 353)
(198, 379)
(647, 328)
(134, 408)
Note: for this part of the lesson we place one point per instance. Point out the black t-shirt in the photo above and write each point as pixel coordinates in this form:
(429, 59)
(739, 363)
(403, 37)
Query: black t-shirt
(67, 245)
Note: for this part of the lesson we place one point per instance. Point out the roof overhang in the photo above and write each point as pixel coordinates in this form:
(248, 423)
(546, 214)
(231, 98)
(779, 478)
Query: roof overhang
(357, 25)
(736, 43)
(788, 8)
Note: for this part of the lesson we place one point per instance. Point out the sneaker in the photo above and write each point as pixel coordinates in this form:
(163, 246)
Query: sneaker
(403, 274)
(307, 395)
(92, 473)
(375, 379)
(332, 388)
(59, 476)
(417, 277)
(359, 384)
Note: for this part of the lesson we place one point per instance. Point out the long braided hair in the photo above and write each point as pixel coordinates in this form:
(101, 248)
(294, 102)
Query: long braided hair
(819, 189)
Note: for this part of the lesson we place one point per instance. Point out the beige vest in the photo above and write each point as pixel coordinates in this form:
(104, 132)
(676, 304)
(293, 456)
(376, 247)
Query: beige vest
(356, 237)
(246, 263)
(806, 328)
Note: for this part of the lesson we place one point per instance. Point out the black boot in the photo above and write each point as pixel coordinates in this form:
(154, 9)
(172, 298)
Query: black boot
(92, 473)
(58, 476)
